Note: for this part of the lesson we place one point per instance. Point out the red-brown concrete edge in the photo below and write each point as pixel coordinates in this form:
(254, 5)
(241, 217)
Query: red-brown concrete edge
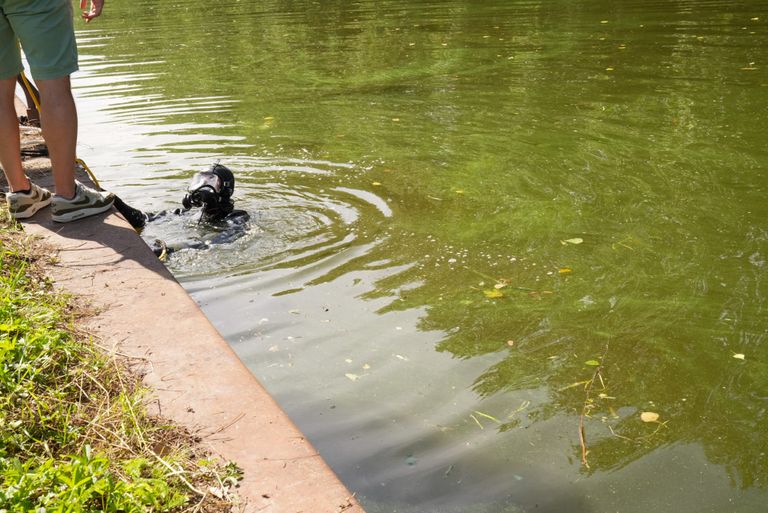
(196, 379)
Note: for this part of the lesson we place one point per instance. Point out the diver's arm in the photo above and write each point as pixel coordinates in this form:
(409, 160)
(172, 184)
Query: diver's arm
(161, 249)
(135, 217)
(138, 219)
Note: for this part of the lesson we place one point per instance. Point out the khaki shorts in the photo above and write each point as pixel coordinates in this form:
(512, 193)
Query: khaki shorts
(45, 29)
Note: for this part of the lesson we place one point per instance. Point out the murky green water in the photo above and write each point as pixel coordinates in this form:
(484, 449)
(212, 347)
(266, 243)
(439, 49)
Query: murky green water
(459, 208)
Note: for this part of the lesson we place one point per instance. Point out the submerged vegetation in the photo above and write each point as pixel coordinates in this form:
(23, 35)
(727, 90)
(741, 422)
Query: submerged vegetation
(74, 433)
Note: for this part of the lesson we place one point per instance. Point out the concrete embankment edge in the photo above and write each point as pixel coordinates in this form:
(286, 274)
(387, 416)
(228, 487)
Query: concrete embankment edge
(196, 379)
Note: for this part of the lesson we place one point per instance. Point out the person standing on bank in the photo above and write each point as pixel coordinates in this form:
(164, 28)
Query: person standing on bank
(45, 30)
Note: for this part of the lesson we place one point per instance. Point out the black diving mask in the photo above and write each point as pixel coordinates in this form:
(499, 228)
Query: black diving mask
(204, 190)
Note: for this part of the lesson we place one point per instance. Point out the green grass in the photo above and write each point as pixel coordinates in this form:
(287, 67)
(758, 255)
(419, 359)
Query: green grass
(74, 434)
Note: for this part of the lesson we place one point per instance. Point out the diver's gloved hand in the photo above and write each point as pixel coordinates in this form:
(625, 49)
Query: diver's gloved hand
(134, 216)
(160, 249)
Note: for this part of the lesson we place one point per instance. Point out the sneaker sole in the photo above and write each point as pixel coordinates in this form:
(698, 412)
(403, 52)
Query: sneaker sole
(80, 214)
(32, 210)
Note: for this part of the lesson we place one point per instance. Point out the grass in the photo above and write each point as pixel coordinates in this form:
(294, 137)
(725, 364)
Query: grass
(74, 433)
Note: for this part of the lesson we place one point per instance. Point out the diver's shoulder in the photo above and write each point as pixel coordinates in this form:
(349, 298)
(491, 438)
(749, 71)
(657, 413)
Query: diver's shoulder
(238, 216)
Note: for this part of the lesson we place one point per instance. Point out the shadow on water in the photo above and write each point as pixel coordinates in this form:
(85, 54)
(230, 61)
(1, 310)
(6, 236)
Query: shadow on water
(474, 228)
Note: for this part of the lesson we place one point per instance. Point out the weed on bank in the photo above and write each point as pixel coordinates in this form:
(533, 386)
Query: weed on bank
(74, 435)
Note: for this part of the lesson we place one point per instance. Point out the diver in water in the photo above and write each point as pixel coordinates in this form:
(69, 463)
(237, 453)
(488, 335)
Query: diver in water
(211, 191)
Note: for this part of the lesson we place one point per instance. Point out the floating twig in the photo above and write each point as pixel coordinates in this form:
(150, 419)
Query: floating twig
(588, 404)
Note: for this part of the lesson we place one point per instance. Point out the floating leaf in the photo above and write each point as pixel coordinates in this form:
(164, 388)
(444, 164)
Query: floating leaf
(593, 363)
(375, 184)
(739, 356)
(649, 416)
(575, 240)
(510, 343)
(268, 122)
(353, 377)
(493, 293)
(499, 286)
(565, 270)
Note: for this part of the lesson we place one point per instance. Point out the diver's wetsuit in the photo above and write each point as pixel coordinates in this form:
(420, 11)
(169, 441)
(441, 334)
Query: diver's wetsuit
(232, 226)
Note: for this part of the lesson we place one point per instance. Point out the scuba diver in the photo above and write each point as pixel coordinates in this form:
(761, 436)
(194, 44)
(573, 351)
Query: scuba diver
(211, 191)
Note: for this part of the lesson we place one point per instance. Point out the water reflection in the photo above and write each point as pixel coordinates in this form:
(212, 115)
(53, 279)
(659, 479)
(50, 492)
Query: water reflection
(418, 178)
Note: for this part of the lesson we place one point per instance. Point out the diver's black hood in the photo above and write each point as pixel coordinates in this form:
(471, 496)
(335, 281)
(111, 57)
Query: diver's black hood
(212, 190)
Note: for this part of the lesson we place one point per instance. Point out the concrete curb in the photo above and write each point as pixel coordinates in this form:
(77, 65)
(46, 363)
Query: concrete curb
(197, 380)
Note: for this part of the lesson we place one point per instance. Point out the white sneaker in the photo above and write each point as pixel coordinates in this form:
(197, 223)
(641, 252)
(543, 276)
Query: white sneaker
(87, 202)
(22, 205)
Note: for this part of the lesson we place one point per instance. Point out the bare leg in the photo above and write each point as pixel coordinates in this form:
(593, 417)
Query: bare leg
(10, 148)
(59, 121)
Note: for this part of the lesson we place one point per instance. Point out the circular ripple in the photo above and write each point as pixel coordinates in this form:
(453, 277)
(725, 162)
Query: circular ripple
(294, 223)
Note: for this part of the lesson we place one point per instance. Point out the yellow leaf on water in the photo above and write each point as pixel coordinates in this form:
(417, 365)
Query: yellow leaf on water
(493, 293)
(376, 184)
(353, 377)
(649, 416)
(739, 356)
(565, 270)
(575, 240)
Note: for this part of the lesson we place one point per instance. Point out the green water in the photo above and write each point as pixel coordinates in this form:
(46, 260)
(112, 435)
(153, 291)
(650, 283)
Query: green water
(459, 208)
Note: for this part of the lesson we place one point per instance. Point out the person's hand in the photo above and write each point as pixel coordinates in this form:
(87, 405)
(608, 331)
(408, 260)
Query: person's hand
(94, 11)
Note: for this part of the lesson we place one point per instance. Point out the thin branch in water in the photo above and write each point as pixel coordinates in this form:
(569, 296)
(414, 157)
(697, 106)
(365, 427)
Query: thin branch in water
(588, 404)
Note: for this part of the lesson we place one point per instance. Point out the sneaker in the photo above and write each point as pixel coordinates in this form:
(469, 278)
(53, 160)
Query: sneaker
(22, 205)
(87, 202)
